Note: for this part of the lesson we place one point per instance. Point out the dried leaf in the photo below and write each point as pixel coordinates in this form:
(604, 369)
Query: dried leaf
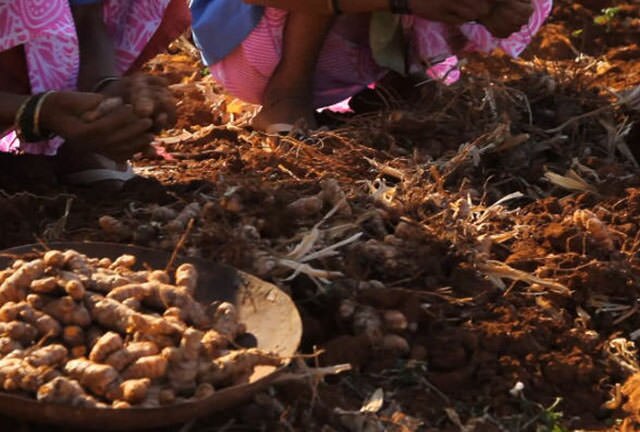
(571, 182)
(315, 373)
(497, 269)
(374, 403)
(306, 245)
(236, 106)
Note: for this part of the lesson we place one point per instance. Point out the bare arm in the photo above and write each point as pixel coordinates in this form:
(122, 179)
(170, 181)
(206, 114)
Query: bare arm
(97, 55)
(149, 96)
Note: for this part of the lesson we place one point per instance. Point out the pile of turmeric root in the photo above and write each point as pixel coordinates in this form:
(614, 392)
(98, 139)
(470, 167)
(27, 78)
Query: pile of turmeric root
(96, 333)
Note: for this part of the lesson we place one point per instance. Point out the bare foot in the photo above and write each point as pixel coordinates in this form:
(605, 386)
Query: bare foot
(283, 111)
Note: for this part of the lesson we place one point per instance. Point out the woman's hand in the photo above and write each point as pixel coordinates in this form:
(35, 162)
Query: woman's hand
(454, 12)
(309, 6)
(149, 96)
(507, 17)
(324, 7)
(82, 120)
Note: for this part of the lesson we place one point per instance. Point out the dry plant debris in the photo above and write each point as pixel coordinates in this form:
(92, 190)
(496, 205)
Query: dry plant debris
(489, 242)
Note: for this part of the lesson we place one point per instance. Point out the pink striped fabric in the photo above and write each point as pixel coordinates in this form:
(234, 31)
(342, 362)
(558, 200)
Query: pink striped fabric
(346, 66)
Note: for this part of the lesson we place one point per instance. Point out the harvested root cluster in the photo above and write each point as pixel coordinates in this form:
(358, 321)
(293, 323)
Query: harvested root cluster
(96, 333)
(162, 228)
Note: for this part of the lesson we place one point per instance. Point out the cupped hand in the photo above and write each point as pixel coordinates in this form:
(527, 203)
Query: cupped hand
(91, 123)
(507, 17)
(149, 96)
(454, 12)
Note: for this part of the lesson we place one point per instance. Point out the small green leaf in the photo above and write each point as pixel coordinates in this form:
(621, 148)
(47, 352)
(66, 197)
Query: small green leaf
(611, 12)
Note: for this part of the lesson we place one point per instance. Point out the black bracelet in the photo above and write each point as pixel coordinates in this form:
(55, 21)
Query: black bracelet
(400, 7)
(27, 120)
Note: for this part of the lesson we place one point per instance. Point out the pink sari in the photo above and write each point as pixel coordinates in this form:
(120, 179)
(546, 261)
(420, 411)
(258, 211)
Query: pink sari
(46, 31)
(346, 65)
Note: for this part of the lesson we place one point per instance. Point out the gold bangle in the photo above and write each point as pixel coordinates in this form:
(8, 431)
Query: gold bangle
(36, 116)
(27, 118)
(19, 113)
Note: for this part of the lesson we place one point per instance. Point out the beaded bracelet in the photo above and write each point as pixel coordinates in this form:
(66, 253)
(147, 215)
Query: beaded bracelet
(400, 7)
(27, 122)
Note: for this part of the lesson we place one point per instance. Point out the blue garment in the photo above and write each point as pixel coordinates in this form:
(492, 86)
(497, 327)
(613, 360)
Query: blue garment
(220, 26)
